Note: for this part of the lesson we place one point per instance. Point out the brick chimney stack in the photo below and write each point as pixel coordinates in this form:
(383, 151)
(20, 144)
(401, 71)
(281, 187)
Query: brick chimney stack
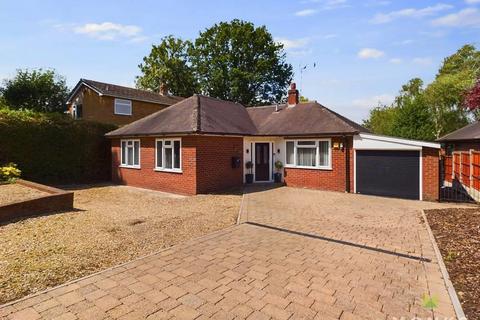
(293, 96)
(163, 89)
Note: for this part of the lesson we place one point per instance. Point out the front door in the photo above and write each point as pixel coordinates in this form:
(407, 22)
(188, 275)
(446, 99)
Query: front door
(262, 161)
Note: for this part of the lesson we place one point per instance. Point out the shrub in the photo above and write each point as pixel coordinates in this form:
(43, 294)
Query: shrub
(53, 148)
(278, 165)
(9, 173)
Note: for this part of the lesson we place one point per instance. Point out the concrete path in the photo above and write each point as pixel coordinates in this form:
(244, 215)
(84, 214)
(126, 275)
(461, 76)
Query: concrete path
(299, 254)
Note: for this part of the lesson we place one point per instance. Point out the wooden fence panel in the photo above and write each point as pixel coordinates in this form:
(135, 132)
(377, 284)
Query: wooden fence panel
(476, 170)
(465, 168)
(456, 165)
(447, 163)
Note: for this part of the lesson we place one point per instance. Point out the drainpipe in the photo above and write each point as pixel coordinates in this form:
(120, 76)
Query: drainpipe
(347, 164)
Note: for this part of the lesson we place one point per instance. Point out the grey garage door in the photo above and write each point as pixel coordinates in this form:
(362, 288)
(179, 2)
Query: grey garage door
(388, 173)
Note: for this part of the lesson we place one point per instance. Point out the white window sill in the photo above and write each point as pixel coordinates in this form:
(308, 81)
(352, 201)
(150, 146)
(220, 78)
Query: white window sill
(129, 167)
(168, 170)
(310, 168)
(122, 114)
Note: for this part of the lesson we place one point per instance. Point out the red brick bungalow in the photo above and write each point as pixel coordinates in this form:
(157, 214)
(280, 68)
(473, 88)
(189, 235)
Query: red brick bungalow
(201, 145)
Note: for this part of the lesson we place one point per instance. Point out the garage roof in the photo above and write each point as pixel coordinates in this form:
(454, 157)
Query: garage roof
(369, 141)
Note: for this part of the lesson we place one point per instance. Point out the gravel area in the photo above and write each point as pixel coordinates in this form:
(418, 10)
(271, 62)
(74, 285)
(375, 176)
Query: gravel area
(16, 192)
(457, 232)
(111, 225)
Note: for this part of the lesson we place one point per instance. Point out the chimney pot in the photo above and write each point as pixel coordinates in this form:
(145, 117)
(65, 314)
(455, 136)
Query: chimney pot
(293, 95)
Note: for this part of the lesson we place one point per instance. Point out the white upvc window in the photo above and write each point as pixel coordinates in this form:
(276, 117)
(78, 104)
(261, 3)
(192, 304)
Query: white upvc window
(123, 107)
(130, 153)
(168, 155)
(308, 153)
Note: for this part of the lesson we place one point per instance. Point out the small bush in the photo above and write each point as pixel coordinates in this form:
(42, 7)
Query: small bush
(9, 173)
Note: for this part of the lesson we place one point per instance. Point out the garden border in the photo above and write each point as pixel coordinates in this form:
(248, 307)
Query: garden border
(457, 306)
(55, 200)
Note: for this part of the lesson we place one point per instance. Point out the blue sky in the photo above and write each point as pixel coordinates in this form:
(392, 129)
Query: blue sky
(363, 50)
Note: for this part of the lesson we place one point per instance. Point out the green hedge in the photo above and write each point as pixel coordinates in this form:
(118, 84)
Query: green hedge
(52, 148)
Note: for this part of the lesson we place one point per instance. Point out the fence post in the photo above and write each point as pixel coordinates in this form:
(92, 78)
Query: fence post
(471, 169)
(453, 167)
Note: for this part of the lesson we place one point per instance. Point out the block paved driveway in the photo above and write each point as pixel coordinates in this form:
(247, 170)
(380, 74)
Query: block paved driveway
(299, 254)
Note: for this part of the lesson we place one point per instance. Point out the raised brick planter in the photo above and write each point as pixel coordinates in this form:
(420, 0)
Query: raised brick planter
(56, 200)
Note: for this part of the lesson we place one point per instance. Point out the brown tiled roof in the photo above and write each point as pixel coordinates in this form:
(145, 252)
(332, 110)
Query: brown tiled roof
(310, 118)
(197, 114)
(469, 132)
(116, 91)
(201, 114)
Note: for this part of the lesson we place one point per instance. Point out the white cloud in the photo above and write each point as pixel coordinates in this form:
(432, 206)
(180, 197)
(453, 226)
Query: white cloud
(306, 12)
(469, 17)
(335, 4)
(370, 53)
(370, 102)
(300, 53)
(472, 1)
(293, 43)
(395, 60)
(423, 61)
(109, 31)
(403, 42)
(409, 13)
(329, 4)
(330, 36)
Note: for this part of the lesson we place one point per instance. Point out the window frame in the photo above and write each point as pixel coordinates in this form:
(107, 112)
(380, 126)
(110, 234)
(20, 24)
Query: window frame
(172, 146)
(317, 153)
(125, 165)
(124, 101)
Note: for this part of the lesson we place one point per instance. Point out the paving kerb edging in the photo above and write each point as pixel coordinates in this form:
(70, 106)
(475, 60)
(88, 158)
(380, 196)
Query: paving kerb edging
(188, 242)
(457, 306)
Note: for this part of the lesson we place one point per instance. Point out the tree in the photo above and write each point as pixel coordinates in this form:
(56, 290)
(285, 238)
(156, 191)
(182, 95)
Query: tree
(39, 90)
(238, 62)
(428, 113)
(381, 120)
(446, 94)
(472, 100)
(413, 119)
(168, 64)
(303, 99)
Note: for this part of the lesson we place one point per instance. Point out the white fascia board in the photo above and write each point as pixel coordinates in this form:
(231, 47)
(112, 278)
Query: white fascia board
(369, 141)
(78, 87)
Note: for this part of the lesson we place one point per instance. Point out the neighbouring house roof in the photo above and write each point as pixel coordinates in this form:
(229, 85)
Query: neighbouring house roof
(113, 90)
(204, 115)
(469, 132)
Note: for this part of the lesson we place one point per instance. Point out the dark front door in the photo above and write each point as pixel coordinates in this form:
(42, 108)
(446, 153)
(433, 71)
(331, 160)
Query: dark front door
(262, 161)
(388, 173)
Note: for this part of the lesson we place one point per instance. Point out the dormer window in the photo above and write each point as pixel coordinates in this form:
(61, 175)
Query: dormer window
(123, 107)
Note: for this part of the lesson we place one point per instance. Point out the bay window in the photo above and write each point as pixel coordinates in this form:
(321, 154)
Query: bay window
(168, 155)
(130, 153)
(315, 154)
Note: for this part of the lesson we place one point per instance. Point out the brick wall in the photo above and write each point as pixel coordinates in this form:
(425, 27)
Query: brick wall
(214, 163)
(430, 172)
(101, 108)
(147, 177)
(333, 180)
(206, 166)
(465, 145)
